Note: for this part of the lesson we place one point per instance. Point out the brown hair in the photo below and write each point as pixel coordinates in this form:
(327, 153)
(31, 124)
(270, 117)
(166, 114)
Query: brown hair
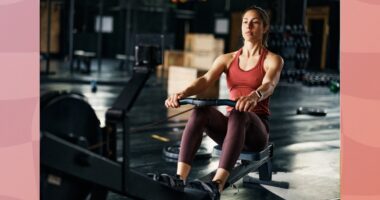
(264, 17)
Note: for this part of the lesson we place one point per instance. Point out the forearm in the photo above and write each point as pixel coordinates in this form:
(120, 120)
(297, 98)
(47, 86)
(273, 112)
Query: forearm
(265, 90)
(198, 86)
(271, 78)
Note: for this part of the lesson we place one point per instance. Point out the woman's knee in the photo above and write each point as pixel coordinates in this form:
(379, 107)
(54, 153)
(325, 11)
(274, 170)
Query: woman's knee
(241, 117)
(201, 112)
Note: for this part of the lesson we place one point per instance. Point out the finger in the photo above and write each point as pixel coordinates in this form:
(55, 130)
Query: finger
(175, 100)
(243, 103)
(240, 106)
(174, 103)
(237, 105)
(251, 109)
(243, 106)
(247, 107)
(170, 102)
(253, 105)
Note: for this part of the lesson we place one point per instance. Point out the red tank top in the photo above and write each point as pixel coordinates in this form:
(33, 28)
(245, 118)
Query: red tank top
(241, 83)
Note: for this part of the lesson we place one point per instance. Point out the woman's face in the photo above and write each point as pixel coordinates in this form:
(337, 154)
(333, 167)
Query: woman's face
(252, 26)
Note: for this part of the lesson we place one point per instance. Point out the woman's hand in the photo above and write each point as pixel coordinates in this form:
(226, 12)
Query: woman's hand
(172, 100)
(247, 103)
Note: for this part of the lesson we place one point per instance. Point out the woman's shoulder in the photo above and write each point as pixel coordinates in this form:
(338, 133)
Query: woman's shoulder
(228, 56)
(225, 59)
(273, 59)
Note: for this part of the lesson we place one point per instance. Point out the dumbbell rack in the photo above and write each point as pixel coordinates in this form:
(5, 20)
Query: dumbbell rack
(292, 43)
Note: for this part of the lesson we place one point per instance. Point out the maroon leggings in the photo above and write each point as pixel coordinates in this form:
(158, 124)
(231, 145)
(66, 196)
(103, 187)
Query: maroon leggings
(236, 132)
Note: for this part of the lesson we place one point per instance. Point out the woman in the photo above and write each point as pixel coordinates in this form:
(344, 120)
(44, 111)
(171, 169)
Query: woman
(252, 74)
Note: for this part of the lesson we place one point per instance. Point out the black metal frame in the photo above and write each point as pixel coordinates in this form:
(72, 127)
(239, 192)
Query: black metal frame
(82, 163)
(250, 161)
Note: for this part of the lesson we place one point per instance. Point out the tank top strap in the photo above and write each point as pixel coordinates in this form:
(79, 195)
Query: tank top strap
(237, 55)
(235, 59)
(262, 57)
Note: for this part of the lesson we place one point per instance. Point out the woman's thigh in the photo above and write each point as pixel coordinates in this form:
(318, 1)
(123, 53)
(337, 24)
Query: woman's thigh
(256, 136)
(216, 127)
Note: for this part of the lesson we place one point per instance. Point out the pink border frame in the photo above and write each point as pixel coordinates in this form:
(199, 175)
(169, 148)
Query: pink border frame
(19, 99)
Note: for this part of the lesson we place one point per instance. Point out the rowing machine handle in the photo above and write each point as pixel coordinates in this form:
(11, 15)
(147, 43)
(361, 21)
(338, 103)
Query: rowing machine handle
(207, 102)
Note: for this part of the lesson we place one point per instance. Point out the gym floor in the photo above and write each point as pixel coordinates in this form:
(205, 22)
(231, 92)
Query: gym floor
(307, 148)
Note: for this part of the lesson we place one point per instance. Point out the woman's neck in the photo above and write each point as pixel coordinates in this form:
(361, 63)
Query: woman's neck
(251, 48)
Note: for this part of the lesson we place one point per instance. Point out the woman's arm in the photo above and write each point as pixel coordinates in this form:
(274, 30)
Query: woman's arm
(201, 83)
(205, 81)
(273, 65)
(271, 78)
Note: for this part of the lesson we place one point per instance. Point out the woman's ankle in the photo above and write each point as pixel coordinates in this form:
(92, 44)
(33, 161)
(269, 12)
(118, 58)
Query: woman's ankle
(183, 178)
(183, 170)
(219, 183)
(221, 177)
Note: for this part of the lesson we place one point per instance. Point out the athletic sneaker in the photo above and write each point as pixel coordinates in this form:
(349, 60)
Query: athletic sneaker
(169, 180)
(212, 188)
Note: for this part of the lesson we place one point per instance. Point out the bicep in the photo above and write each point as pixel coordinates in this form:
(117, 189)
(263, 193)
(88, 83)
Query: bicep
(216, 69)
(273, 72)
